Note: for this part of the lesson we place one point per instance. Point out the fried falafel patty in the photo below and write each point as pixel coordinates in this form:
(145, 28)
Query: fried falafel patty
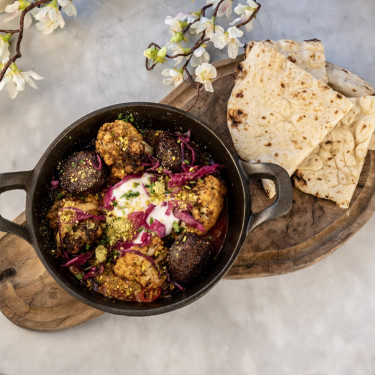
(83, 173)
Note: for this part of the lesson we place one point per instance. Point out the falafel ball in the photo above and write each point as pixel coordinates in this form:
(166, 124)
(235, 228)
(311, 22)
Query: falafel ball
(188, 258)
(167, 149)
(122, 148)
(83, 173)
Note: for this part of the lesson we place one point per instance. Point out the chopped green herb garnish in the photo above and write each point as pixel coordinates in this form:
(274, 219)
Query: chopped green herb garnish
(87, 246)
(130, 194)
(60, 195)
(135, 184)
(112, 134)
(200, 180)
(187, 187)
(79, 276)
(152, 220)
(114, 203)
(74, 164)
(151, 187)
(140, 229)
(120, 116)
(177, 228)
(186, 161)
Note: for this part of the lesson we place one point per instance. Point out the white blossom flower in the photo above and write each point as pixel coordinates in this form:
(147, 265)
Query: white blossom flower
(68, 7)
(205, 73)
(204, 24)
(188, 17)
(174, 76)
(228, 38)
(200, 56)
(174, 24)
(176, 49)
(245, 11)
(15, 79)
(15, 10)
(4, 46)
(224, 8)
(49, 17)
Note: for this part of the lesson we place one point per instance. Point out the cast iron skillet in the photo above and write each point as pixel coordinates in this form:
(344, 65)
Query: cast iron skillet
(37, 184)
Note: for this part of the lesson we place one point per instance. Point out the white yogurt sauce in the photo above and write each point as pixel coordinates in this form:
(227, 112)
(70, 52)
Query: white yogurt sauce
(128, 200)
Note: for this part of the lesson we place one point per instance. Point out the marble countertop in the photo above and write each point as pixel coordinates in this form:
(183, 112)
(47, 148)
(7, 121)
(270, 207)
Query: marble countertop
(316, 321)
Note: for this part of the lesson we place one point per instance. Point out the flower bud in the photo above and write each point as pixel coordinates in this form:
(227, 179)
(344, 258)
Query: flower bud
(177, 38)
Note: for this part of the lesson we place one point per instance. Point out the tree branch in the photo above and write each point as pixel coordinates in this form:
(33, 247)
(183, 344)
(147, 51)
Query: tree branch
(18, 53)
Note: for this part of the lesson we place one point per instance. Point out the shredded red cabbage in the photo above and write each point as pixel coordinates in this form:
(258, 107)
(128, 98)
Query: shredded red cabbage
(185, 139)
(176, 204)
(55, 184)
(109, 198)
(93, 271)
(79, 260)
(82, 215)
(181, 179)
(139, 218)
(155, 163)
(158, 228)
(188, 219)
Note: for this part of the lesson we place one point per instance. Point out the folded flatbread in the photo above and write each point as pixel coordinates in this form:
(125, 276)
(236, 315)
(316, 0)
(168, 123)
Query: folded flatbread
(307, 54)
(350, 85)
(279, 113)
(332, 170)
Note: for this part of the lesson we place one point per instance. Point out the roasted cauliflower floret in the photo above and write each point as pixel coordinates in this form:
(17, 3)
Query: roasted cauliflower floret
(122, 148)
(73, 233)
(113, 286)
(134, 267)
(208, 201)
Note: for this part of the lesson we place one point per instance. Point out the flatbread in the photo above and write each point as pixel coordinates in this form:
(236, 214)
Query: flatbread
(279, 113)
(350, 85)
(332, 170)
(307, 54)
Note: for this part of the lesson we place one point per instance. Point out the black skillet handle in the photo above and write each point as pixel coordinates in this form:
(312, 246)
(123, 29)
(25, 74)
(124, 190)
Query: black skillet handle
(283, 201)
(12, 181)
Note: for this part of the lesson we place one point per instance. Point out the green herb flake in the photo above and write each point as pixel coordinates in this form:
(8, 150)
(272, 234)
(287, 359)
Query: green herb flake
(114, 203)
(200, 180)
(87, 246)
(79, 276)
(60, 195)
(135, 184)
(152, 220)
(130, 194)
(177, 228)
(187, 187)
(140, 229)
(120, 116)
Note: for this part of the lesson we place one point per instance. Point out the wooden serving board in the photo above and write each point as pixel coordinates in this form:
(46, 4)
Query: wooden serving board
(313, 229)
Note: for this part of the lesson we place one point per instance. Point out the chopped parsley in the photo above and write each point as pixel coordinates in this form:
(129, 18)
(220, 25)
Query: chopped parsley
(79, 276)
(151, 187)
(152, 220)
(87, 246)
(135, 184)
(177, 228)
(140, 229)
(127, 118)
(114, 203)
(130, 194)
(60, 195)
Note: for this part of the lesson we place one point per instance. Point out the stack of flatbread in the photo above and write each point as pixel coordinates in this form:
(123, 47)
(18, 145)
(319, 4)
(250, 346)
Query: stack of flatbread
(282, 111)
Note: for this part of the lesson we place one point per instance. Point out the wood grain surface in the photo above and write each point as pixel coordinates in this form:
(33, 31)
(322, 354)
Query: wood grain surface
(313, 229)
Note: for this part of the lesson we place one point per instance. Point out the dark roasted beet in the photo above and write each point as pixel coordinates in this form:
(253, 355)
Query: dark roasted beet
(82, 173)
(168, 151)
(188, 257)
